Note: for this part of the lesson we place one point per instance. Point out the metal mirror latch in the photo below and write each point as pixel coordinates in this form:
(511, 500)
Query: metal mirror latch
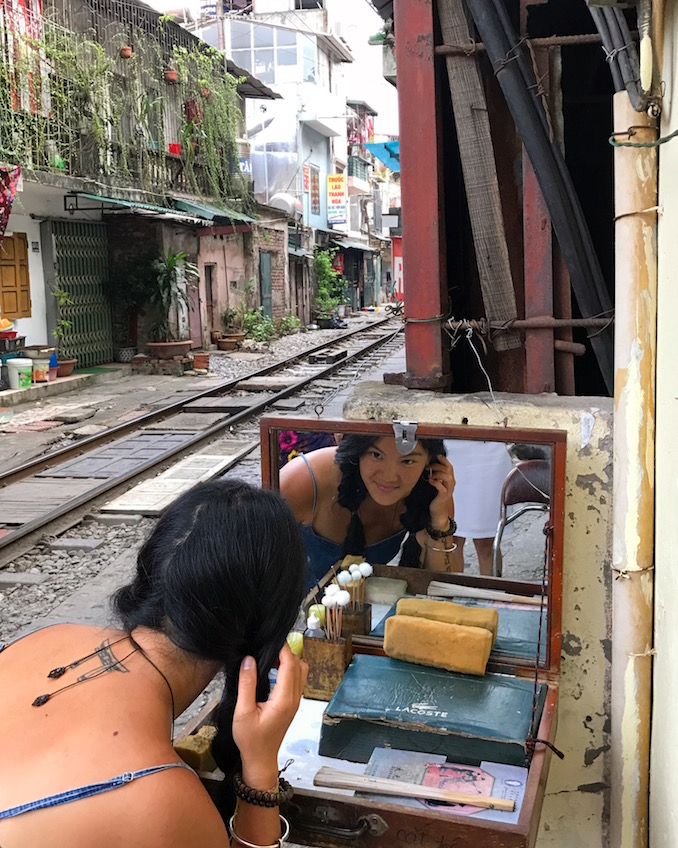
(405, 436)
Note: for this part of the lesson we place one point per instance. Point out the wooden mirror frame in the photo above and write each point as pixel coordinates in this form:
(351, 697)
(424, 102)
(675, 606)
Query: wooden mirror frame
(554, 439)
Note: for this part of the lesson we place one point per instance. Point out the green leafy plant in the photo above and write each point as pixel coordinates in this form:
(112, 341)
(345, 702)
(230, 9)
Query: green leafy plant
(234, 318)
(63, 324)
(326, 300)
(258, 326)
(289, 324)
(169, 293)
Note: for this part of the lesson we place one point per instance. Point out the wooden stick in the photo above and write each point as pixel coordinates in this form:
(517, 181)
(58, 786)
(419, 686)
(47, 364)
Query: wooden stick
(452, 590)
(337, 779)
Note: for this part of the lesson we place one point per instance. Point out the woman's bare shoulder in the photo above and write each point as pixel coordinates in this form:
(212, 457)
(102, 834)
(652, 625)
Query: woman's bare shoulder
(179, 812)
(297, 481)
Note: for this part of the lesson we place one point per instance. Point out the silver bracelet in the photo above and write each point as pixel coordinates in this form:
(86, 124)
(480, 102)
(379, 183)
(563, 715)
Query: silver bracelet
(442, 550)
(277, 844)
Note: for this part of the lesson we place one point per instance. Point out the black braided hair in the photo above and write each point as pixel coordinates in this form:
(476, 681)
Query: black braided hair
(352, 492)
(222, 576)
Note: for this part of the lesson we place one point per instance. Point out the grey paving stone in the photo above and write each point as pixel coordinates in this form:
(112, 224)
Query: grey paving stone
(21, 578)
(75, 543)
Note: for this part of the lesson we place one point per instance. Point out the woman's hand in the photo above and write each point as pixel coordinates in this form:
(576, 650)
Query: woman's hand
(442, 480)
(259, 728)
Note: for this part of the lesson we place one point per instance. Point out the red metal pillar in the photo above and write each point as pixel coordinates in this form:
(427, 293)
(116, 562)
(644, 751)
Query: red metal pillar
(538, 251)
(423, 221)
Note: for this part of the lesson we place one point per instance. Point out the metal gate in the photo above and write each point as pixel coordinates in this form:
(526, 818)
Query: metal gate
(266, 283)
(81, 265)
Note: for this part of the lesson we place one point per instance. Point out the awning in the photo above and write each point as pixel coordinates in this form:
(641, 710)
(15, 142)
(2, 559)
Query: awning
(356, 245)
(129, 204)
(299, 251)
(211, 213)
(387, 152)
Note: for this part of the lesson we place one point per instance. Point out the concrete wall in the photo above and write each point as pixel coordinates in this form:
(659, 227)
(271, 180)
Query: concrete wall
(664, 744)
(232, 270)
(575, 813)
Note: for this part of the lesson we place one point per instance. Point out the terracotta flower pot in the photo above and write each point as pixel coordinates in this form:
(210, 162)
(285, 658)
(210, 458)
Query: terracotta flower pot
(66, 367)
(215, 335)
(233, 334)
(226, 344)
(201, 360)
(125, 52)
(171, 75)
(168, 350)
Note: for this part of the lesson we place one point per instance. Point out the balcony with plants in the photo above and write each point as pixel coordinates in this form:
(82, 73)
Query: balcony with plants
(140, 111)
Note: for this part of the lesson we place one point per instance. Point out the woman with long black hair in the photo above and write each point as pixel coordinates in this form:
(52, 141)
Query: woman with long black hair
(365, 497)
(87, 713)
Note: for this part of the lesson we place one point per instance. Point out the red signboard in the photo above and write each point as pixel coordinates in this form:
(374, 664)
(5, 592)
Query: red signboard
(307, 178)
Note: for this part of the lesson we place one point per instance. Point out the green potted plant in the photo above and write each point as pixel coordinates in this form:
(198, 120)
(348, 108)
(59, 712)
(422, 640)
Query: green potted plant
(167, 296)
(233, 319)
(63, 325)
(326, 301)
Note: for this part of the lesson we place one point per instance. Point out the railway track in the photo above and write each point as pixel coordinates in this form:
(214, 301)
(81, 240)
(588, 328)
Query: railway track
(202, 436)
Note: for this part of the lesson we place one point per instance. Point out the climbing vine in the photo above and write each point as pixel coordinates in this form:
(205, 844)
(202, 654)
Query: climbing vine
(71, 104)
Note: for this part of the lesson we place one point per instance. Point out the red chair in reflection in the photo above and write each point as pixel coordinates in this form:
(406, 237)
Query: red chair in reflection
(528, 485)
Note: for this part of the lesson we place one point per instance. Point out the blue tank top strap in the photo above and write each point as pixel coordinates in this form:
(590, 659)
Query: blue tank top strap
(315, 485)
(87, 791)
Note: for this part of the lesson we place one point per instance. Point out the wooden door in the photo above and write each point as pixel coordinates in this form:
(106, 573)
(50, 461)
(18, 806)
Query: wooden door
(15, 290)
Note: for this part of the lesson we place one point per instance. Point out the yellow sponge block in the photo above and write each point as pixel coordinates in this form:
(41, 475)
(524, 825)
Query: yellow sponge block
(450, 613)
(196, 750)
(454, 647)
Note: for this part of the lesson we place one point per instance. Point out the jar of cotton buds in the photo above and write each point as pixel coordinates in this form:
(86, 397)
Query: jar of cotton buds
(326, 651)
(357, 618)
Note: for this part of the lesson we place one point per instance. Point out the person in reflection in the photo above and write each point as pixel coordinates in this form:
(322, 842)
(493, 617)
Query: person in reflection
(87, 756)
(364, 497)
(481, 468)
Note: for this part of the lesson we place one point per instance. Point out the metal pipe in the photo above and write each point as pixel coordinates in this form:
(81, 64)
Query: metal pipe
(633, 486)
(541, 322)
(552, 41)
(569, 347)
(423, 214)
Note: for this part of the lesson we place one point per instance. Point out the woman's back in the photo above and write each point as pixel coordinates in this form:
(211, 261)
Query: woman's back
(117, 720)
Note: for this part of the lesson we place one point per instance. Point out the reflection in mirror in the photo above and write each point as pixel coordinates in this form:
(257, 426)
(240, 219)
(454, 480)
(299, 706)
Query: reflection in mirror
(395, 503)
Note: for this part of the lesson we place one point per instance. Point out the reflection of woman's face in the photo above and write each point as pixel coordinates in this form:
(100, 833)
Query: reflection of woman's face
(388, 475)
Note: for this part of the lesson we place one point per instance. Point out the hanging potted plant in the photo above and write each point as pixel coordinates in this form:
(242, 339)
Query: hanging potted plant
(126, 52)
(167, 297)
(171, 74)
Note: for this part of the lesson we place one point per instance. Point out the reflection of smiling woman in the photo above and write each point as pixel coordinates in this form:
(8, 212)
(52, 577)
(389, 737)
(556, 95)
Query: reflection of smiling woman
(363, 496)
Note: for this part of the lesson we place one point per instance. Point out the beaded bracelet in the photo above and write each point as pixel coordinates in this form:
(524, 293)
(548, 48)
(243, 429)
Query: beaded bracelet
(442, 534)
(261, 798)
(277, 844)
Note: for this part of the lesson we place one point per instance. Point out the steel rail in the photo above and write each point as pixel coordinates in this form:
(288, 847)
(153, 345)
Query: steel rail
(82, 446)
(198, 438)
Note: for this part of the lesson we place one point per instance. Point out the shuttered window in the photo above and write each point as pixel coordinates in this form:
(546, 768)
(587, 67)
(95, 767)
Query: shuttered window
(15, 289)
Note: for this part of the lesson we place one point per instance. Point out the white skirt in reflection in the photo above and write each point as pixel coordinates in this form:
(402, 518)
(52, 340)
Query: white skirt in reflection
(480, 469)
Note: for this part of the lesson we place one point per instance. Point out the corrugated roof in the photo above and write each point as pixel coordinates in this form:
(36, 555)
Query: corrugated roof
(210, 213)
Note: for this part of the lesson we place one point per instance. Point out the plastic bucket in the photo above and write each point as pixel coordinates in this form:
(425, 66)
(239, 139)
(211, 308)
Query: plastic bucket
(20, 372)
(53, 373)
(41, 370)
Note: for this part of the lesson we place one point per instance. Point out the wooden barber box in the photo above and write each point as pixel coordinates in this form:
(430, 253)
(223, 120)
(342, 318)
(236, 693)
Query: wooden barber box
(478, 735)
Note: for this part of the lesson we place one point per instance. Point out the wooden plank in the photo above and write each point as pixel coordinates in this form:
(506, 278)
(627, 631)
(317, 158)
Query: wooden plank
(152, 496)
(22, 502)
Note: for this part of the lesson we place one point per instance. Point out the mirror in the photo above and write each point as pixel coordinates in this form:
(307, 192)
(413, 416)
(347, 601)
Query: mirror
(508, 505)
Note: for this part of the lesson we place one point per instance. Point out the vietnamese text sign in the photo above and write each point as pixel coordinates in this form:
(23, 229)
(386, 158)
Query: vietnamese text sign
(336, 198)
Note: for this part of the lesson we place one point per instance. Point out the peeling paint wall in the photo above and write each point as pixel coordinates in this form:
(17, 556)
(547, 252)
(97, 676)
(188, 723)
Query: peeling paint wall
(664, 743)
(576, 807)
